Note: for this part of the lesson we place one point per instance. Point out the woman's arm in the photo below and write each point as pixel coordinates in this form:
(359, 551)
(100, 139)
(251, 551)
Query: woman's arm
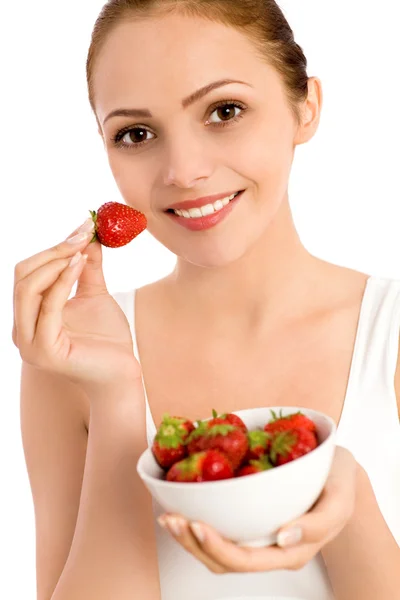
(54, 439)
(363, 561)
(113, 553)
(95, 539)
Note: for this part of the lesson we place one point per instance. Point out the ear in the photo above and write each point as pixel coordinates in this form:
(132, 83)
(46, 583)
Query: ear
(310, 112)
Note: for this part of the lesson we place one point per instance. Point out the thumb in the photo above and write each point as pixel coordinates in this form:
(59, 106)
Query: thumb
(333, 508)
(91, 280)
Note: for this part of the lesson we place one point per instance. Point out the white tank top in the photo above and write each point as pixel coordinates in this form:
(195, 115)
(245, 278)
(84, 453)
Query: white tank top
(369, 427)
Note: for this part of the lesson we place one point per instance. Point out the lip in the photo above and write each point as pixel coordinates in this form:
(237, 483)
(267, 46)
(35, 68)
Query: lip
(200, 201)
(202, 223)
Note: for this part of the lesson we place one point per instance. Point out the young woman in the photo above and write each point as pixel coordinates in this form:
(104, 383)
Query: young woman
(196, 102)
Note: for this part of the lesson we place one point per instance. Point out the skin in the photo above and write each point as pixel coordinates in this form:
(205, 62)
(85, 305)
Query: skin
(230, 274)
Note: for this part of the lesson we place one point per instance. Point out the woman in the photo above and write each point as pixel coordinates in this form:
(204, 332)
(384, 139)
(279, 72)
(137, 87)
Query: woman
(201, 105)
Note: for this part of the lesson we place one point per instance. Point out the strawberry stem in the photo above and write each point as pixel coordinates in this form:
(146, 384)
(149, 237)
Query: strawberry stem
(274, 417)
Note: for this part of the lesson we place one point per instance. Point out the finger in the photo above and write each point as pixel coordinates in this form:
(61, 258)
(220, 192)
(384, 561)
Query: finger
(29, 297)
(91, 281)
(335, 505)
(241, 559)
(62, 250)
(50, 320)
(180, 530)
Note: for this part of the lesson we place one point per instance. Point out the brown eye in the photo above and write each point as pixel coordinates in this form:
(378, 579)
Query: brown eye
(226, 112)
(131, 137)
(135, 136)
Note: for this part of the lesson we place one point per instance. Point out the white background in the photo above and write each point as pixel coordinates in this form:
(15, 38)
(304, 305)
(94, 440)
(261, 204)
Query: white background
(344, 188)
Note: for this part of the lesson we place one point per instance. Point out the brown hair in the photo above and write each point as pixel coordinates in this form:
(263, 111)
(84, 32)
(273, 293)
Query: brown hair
(261, 20)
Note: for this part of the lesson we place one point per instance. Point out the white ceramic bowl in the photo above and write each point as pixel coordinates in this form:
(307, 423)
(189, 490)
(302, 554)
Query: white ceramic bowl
(250, 510)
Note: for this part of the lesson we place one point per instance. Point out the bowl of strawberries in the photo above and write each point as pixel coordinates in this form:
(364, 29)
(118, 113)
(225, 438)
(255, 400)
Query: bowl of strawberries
(246, 473)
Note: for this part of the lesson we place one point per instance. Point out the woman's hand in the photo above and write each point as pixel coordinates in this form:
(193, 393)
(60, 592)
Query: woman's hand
(319, 526)
(86, 338)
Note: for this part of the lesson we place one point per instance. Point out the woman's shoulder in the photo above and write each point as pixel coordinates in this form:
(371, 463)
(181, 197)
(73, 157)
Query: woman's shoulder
(347, 286)
(353, 275)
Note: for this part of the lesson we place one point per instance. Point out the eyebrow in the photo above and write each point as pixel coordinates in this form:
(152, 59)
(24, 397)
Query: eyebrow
(144, 112)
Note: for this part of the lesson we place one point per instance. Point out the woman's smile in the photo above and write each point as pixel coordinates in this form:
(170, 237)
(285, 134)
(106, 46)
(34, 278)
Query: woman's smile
(206, 216)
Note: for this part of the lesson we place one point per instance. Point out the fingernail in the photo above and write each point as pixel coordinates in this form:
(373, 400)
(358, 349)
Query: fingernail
(75, 259)
(87, 226)
(198, 532)
(289, 537)
(162, 521)
(175, 525)
(78, 238)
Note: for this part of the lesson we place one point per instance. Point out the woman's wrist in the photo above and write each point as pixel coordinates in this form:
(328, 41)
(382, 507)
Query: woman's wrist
(126, 390)
(121, 412)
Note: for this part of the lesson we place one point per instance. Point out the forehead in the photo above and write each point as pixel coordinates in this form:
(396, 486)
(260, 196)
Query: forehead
(158, 59)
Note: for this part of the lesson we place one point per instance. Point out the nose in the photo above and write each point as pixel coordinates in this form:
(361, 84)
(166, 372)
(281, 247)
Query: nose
(186, 163)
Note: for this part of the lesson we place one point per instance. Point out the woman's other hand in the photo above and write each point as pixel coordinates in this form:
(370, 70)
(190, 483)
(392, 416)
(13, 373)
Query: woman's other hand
(318, 527)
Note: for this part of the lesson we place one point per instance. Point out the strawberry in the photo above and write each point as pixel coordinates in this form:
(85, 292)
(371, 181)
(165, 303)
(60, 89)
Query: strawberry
(289, 422)
(255, 466)
(259, 444)
(289, 445)
(117, 224)
(169, 442)
(228, 439)
(229, 418)
(209, 465)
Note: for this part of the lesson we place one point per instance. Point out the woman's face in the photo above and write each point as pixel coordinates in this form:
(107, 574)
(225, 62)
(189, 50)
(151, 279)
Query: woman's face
(239, 136)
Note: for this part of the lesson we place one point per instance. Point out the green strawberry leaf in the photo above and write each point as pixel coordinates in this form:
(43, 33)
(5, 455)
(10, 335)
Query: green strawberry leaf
(282, 444)
(258, 438)
(221, 429)
(200, 430)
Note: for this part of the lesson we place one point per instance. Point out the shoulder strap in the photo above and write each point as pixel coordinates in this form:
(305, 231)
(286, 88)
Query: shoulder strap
(371, 381)
(126, 301)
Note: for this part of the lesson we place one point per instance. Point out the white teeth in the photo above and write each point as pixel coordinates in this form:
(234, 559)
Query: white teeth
(195, 212)
(208, 209)
(204, 211)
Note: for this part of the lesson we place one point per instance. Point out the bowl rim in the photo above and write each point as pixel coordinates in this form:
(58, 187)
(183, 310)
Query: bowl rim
(176, 485)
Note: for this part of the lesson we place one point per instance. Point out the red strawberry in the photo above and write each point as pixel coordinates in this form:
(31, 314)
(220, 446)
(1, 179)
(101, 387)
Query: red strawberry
(289, 445)
(210, 465)
(259, 444)
(289, 422)
(228, 439)
(255, 466)
(169, 443)
(300, 420)
(117, 224)
(227, 418)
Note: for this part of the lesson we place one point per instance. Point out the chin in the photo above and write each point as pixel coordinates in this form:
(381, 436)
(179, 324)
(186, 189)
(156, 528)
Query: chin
(211, 251)
(212, 256)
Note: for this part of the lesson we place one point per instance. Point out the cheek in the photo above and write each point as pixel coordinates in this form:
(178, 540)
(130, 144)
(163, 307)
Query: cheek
(264, 153)
(266, 160)
(133, 185)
